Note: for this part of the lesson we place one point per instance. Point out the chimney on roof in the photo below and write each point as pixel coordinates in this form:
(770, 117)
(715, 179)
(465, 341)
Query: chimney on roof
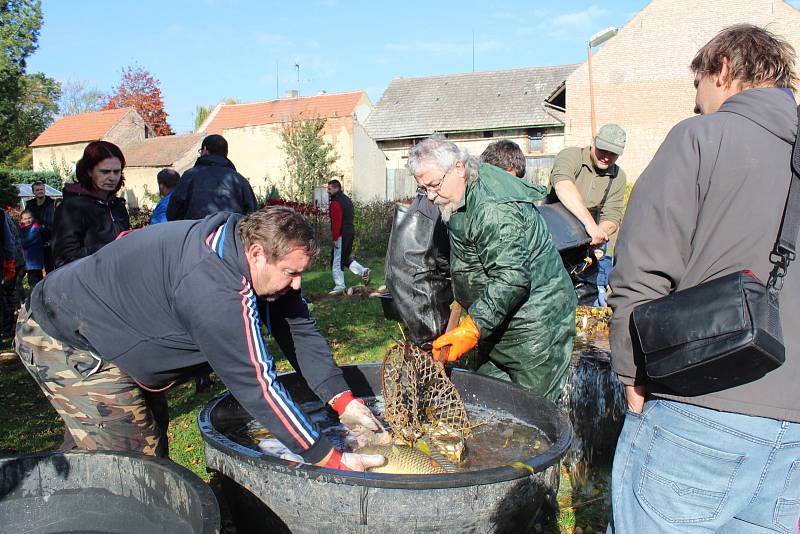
(291, 93)
(323, 92)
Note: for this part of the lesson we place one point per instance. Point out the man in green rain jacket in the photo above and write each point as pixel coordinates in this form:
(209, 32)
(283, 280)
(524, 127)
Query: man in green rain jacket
(506, 271)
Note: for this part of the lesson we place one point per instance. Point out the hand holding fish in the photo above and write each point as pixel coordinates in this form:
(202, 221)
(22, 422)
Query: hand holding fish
(350, 461)
(363, 425)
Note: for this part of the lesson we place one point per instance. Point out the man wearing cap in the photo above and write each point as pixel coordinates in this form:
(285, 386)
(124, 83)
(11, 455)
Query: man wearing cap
(591, 185)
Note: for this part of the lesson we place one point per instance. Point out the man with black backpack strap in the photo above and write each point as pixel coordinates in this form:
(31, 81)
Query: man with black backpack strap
(710, 204)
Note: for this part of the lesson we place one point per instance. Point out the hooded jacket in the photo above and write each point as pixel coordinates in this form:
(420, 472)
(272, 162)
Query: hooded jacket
(164, 302)
(507, 274)
(85, 222)
(44, 215)
(211, 186)
(710, 204)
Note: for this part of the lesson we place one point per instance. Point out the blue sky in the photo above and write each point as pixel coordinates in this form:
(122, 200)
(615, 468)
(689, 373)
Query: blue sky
(206, 50)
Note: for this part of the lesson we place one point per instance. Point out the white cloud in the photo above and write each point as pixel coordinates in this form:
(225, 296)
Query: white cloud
(439, 48)
(567, 25)
(490, 46)
(578, 19)
(272, 39)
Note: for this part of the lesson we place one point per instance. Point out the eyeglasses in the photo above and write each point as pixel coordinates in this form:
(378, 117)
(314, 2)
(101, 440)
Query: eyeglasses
(434, 188)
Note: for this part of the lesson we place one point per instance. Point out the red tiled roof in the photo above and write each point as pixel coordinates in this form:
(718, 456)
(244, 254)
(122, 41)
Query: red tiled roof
(284, 110)
(82, 127)
(160, 151)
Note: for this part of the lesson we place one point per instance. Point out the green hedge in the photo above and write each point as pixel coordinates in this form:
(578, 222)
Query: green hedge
(9, 194)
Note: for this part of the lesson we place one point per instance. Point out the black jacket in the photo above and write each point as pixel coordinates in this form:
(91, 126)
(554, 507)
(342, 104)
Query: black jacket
(85, 222)
(211, 186)
(165, 301)
(44, 215)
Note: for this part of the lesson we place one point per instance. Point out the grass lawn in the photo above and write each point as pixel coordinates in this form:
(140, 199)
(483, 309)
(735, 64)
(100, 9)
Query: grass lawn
(356, 331)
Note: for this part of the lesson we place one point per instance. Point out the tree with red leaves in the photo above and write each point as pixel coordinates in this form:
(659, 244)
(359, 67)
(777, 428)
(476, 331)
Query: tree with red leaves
(140, 90)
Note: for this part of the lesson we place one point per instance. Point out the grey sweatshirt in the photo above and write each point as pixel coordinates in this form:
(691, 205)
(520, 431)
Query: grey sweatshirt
(710, 204)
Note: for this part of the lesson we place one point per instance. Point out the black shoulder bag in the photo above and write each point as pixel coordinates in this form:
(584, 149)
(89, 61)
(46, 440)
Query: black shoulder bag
(724, 332)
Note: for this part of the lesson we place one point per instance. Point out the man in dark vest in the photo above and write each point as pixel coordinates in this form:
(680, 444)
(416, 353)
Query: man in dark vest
(342, 234)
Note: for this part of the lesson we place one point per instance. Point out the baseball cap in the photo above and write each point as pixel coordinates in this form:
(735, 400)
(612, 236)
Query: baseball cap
(610, 137)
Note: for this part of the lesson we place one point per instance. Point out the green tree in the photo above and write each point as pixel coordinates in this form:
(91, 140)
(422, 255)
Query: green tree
(36, 110)
(309, 158)
(20, 22)
(202, 112)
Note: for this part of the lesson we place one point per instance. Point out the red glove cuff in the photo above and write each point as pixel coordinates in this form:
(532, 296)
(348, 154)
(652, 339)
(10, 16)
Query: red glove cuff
(344, 399)
(335, 461)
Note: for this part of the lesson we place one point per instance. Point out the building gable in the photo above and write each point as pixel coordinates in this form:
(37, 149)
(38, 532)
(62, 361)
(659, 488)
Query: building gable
(81, 128)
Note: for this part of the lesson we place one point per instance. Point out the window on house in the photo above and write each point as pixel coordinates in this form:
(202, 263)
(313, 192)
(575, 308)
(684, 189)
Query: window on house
(535, 141)
(537, 169)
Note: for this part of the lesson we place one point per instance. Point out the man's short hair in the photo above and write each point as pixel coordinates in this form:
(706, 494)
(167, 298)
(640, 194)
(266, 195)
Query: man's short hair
(336, 183)
(168, 177)
(506, 155)
(37, 182)
(216, 145)
(280, 230)
(756, 57)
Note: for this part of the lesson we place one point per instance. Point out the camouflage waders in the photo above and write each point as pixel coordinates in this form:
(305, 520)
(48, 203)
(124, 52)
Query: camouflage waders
(103, 407)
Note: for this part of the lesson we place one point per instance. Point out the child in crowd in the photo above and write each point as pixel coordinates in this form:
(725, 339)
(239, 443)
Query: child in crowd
(604, 265)
(32, 251)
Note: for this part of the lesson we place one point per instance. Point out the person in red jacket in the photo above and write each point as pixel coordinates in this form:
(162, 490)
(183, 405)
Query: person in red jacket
(342, 235)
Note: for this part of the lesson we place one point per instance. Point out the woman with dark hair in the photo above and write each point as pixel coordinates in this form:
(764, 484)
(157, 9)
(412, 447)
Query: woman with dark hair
(91, 215)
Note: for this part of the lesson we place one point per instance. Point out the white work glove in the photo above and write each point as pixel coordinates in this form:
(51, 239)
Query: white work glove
(351, 461)
(359, 420)
(360, 462)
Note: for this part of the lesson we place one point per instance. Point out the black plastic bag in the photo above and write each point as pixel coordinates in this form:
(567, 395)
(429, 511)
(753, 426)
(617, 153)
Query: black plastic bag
(418, 271)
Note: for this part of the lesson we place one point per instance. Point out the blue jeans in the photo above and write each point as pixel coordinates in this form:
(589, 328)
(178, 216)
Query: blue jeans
(682, 468)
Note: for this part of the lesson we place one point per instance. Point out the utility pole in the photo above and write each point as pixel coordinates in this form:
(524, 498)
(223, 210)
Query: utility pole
(473, 49)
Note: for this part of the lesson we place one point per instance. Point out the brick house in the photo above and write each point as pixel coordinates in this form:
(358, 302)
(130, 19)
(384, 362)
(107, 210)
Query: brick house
(473, 110)
(61, 145)
(641, 76)
(253, 132)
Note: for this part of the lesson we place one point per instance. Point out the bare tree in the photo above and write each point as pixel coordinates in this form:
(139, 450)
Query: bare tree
(77, 97)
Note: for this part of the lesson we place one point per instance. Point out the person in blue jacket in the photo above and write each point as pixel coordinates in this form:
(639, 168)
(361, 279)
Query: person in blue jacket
(30, 235)
(167, 181)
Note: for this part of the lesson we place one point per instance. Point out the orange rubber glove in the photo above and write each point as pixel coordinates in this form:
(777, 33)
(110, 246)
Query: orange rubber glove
(459, 340)
(8, 270)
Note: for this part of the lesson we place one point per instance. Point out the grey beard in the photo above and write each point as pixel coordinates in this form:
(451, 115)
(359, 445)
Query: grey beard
(446, 212)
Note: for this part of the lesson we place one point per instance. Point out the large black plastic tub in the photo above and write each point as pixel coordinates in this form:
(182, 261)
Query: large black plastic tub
(102, 492)
(267, 494)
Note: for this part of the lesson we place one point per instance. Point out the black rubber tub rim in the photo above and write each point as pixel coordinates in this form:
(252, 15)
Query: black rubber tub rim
(209, 507)
(537, 464)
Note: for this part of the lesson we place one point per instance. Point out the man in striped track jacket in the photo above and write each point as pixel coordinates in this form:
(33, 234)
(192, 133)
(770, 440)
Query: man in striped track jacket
(105, 335)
